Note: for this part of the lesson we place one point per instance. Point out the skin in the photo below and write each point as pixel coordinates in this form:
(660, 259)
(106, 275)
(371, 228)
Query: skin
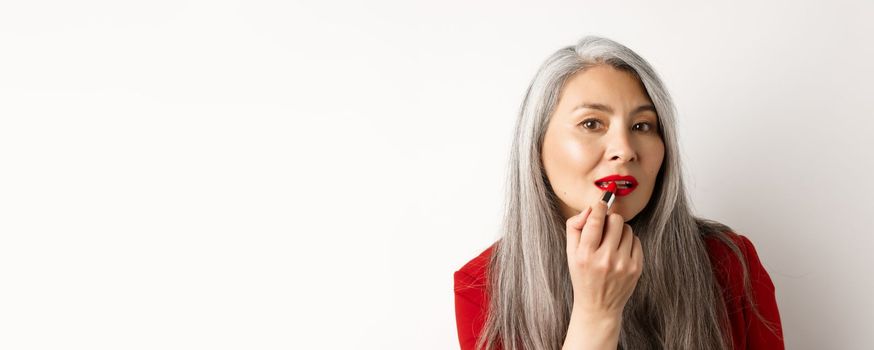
(575, 154)
(605, 258)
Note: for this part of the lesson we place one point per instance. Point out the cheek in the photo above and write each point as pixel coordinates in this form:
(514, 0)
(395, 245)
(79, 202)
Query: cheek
(656, 155)
(576, 161)
(577, 154)
(567, 159)
(570, 153)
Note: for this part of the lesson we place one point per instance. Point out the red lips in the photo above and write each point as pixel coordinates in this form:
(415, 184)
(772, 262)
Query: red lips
(626, 183)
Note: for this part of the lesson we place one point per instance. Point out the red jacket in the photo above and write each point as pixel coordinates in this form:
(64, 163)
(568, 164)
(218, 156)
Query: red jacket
(747, 331)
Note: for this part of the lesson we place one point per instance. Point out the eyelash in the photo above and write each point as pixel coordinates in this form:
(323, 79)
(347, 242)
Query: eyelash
(651, 128)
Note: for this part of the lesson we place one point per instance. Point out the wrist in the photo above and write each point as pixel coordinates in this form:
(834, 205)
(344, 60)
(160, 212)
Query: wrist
(590, 329)
(597, 317)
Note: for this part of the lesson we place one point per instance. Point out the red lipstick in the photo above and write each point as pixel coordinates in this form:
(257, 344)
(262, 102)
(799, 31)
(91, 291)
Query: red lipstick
(610, 195)
(625, 184)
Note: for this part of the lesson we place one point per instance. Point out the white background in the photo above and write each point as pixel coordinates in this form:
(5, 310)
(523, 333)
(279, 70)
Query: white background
(296, 175)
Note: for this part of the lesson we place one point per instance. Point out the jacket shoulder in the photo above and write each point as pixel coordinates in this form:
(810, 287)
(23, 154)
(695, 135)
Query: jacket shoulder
(748, 329)
(729, 268)
(473, 273)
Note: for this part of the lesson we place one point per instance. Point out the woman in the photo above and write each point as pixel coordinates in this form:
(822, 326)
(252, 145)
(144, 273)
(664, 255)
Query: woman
(645, 274)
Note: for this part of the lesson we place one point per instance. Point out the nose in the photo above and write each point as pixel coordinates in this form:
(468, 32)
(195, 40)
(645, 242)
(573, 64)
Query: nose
(620, 147)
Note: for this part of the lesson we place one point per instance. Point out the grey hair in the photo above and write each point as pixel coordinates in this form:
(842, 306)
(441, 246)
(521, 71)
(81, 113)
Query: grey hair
(677, 303)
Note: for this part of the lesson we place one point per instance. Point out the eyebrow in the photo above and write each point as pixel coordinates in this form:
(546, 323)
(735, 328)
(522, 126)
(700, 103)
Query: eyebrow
(606, 108)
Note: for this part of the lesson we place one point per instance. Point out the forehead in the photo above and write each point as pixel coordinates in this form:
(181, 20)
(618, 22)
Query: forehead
(604, 84)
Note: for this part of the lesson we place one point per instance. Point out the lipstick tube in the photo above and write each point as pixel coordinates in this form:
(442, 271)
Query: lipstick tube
(610, 195)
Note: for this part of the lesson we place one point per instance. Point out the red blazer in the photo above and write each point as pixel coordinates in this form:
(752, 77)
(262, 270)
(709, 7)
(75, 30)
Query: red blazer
(747, 331)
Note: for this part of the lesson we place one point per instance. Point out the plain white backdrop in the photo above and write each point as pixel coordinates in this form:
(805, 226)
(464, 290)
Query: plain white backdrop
(308, 175)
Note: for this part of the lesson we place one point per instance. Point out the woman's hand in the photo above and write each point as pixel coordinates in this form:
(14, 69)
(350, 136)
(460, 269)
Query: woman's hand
(605, 261)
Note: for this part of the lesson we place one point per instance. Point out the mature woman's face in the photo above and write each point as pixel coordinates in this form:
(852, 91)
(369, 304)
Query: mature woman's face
(604, 124)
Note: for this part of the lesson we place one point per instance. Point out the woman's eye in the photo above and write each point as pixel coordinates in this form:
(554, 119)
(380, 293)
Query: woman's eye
(590, 123)
(646, 127)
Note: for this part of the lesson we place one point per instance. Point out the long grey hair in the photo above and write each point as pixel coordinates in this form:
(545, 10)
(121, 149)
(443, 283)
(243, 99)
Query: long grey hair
(677, 303)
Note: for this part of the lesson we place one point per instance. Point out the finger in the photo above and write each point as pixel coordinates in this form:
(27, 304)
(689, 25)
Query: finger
(590, 237)
(612, 232)
(627, 243)
(574, 226)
